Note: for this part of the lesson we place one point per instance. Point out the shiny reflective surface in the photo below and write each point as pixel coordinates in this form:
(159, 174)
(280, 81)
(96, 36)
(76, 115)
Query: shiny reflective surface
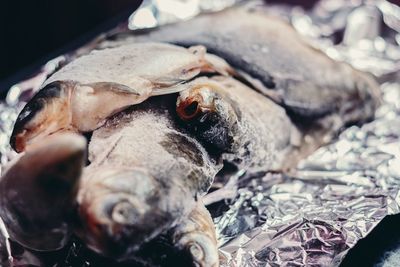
(341, 192)
(314, 215)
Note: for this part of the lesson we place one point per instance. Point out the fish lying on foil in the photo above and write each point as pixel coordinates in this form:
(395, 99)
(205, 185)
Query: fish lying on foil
(148, 166)
(146, 177)
(277, 60)
(97, 85)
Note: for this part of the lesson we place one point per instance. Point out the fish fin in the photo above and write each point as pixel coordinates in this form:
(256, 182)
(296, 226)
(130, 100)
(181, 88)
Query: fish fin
(169, 90)
(116, 87)
(218, 65)
(37, 193)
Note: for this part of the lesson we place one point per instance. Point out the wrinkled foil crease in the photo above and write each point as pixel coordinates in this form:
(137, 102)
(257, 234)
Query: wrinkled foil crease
(338, 194)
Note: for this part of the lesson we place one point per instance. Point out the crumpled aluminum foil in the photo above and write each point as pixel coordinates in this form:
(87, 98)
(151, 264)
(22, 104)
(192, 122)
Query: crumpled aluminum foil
(313, 216)
(153, 13)
(342, 191)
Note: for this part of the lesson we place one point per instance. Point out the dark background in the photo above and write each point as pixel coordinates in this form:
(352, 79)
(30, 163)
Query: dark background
(34, 31)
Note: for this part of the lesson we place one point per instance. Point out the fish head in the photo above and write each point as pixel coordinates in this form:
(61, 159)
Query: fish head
(210, 114)
(121, 209)
(44, 114)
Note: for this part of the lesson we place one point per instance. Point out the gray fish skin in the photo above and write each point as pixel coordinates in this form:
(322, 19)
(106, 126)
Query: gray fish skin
(169, 170)
(309, 84)
(150, 137)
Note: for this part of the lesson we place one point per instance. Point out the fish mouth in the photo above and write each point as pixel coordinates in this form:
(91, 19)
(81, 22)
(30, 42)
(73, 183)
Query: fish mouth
(41, 115)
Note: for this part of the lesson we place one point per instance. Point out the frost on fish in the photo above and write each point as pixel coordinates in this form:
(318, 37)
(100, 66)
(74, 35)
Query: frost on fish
(81, 95)
(149, 136)
(144, 178)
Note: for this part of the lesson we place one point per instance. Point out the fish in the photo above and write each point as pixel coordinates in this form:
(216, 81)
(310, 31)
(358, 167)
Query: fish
(267, 53)
(146, 176)
(147, 169)
(84, 93)
(235, 123)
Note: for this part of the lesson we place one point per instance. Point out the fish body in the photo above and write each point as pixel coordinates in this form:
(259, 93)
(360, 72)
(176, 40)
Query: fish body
(142, 163)
(85, 92)
(278, 61)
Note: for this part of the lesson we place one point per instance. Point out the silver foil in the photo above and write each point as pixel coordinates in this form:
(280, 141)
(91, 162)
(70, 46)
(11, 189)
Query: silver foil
(313, 216)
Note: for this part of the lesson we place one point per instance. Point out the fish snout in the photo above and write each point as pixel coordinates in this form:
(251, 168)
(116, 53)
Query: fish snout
(121, 210)
(44, 114)
(210, 115)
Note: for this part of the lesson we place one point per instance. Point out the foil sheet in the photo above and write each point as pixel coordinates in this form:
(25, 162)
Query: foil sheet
(314, 215)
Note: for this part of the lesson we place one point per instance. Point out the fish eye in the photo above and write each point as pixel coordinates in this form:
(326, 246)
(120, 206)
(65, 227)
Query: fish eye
(191, 109)
(124, 213)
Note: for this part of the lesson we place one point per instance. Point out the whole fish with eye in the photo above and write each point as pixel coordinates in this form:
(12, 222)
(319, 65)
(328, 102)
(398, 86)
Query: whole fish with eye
(319, 94)
(147, 174)
(84, 93)
(150, 165)
(146, 177)
(114, 206)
